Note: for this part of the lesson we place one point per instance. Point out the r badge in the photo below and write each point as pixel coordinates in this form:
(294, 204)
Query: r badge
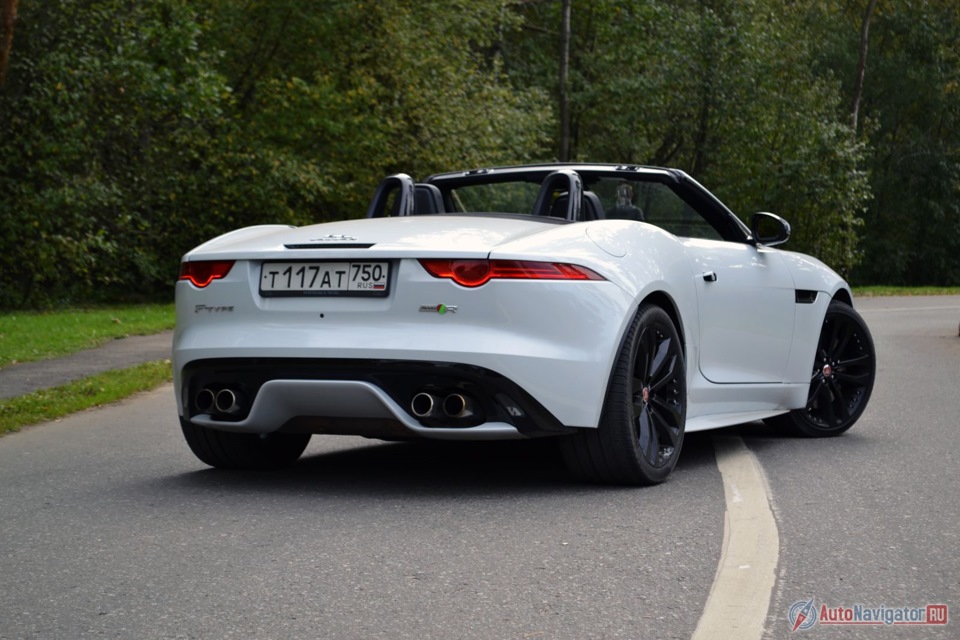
(438, 308)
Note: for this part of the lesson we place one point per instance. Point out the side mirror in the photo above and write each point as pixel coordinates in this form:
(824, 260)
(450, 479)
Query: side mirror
(768, 230)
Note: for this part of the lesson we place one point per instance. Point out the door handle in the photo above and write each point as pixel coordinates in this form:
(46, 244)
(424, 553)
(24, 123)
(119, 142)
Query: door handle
(710, 276)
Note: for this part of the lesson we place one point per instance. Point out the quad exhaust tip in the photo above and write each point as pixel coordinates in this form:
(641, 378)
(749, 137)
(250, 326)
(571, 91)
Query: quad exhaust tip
(227, 401)
(457, 405)
(205, 401)
(454, 405)
(423, 404)
(222, 402)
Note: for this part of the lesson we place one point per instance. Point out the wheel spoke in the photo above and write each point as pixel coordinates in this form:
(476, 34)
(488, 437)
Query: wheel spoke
(656, 385)
(816, 392)
(847, 329)
(829, 416)
(839, 400)
(865, 360)
(663, 350)
(653, 453)
(832, 338)
(645, 434)
(668, 422)
(668, 412)
(647, 347)
(859, 379)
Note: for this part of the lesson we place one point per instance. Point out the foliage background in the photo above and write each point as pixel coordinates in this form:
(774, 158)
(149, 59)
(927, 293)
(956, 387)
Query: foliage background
(132, 131)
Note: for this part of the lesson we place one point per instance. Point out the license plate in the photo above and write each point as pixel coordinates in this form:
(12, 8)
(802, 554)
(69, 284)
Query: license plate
(324, 279)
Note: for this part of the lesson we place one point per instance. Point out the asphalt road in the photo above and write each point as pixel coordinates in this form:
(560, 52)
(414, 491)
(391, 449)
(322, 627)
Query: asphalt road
(109, 528)
(873, 517)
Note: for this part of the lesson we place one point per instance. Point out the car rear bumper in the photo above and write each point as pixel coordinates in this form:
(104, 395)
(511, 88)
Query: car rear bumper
(552, 343)
(368, 398)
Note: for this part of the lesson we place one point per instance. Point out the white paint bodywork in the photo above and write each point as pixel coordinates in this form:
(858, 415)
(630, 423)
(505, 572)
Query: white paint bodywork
(749, 345)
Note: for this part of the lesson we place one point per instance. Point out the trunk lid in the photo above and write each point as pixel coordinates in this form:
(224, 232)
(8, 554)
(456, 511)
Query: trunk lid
(414, 236)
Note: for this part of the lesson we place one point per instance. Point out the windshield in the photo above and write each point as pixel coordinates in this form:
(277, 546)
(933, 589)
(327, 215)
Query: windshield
(621, 199)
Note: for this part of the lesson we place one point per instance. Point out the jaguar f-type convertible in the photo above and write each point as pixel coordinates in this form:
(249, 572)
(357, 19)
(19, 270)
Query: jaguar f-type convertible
(612, 307)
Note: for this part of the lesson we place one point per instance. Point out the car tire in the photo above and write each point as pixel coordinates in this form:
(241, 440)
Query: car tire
(228, 450)
(642, 424)
(844, 370)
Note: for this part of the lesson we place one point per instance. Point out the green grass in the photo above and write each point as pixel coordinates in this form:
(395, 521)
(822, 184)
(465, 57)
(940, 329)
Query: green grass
(881, 290)
(104, 388)
(28, 336)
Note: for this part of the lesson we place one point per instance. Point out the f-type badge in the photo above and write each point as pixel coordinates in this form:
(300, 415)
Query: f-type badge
(438, 308)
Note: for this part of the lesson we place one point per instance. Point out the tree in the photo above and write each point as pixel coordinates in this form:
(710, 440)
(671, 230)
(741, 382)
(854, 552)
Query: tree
(861, 64)
(564, 87)
(8, 17)
(132, 132)
(354, 91)
(105, 118)
(707, 86)
(910, 115)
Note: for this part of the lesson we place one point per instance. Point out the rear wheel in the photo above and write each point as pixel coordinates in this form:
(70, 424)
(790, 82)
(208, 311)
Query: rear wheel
(642, 425)
(842, 379)
(227, 450)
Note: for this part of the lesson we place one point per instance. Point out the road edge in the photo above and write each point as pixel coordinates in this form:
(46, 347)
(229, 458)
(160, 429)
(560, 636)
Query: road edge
(739, 599)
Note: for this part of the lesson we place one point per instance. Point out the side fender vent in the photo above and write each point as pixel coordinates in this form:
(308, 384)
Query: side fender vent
(805, 296)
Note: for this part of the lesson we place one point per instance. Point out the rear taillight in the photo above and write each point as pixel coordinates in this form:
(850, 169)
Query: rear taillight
(473, 273)
(203, 272)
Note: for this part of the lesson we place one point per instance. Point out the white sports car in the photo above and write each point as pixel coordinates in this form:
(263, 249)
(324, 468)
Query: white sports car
(614, 307)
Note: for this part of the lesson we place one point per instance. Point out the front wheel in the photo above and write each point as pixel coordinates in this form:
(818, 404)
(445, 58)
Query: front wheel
(227, 450)
(641, 428)
(844, 369)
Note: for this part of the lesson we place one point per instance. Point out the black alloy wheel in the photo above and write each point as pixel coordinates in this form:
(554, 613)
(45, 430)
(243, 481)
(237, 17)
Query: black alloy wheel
(844, 370)
(642, 425)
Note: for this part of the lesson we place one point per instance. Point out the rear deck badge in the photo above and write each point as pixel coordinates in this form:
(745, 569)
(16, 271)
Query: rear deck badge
(438, 308)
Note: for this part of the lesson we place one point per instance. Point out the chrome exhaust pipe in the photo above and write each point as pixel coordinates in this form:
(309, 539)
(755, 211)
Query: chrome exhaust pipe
(423, 404)
(227, 401)
(457, 405)
(204, 401)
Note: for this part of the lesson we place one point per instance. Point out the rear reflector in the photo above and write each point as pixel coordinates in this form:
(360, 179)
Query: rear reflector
(473, 273)
(202, 273)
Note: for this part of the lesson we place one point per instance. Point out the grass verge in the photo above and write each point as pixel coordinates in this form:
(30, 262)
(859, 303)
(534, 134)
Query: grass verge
(104, 388)
(29, 336)
(876, 291)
